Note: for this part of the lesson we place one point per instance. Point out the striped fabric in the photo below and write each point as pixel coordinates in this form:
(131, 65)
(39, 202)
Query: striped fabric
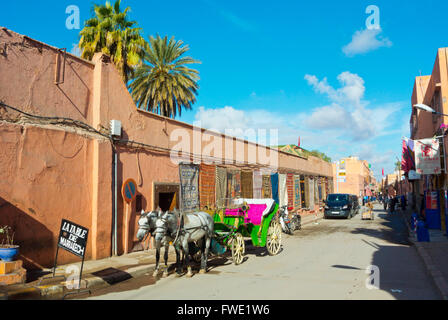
(282, 193)
(258, 185)
(207, 182)
(297, 200)
(233, 184)
(307, 192)
(290, 189)
(247, 184)
(311, 194)
(221, 185)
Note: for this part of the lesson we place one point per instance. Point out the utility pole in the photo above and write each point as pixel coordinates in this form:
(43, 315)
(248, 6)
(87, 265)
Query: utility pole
(337, 177)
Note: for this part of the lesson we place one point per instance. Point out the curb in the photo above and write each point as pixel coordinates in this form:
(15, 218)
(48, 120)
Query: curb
(57, 291)
(437, 276)
(48, 292)
(314, 219)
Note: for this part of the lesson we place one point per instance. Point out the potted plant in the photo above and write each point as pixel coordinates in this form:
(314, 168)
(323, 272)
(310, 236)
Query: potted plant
(8, 251)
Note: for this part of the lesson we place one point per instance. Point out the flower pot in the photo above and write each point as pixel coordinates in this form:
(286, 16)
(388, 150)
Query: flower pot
(8, 253)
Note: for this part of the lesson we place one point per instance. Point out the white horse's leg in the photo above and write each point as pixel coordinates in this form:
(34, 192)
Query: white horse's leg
(156, 271)
(165, 271)
(204, 257)
(187, 258)
(178, 262)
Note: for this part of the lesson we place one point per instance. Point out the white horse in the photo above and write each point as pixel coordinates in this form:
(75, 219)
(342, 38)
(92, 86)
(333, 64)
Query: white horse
(147, 225)
(184, 229)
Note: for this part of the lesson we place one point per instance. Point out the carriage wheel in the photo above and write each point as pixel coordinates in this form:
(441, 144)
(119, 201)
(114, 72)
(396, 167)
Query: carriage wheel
(238, 249)
(274, 238)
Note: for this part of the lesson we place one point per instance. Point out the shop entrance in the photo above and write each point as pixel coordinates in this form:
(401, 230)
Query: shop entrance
(166, 196)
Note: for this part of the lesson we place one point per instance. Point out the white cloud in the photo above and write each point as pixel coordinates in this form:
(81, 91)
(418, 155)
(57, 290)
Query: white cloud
(353, 125)
(364, 41)
(222, 118)
(352, 89)
(347, 110)
(347, 125)
(329, 118)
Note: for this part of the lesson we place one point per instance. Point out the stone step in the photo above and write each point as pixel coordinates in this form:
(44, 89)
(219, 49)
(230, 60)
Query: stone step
(10, 267)
(16, 277)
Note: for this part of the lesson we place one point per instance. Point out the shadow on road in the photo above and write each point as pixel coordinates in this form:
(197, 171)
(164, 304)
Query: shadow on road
(396, 261)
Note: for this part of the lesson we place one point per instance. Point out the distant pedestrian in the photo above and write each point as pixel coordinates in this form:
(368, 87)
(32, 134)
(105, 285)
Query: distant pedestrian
(403, 203)
(422, 207)
(392, 202)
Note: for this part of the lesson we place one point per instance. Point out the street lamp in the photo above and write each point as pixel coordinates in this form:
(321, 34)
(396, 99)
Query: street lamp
(426, 108)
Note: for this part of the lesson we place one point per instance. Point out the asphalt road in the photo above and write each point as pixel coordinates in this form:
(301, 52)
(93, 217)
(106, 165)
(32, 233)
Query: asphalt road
(327, 260)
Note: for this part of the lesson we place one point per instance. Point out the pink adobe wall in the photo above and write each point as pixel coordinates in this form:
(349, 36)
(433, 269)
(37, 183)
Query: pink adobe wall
(47, 176)
(423, 92)
(27, 75)
(356, 174)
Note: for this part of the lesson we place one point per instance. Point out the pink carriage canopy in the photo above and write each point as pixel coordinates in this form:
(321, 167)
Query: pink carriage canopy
(258, 208)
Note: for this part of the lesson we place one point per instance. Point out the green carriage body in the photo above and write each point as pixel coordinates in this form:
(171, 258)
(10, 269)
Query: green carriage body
(226, 226)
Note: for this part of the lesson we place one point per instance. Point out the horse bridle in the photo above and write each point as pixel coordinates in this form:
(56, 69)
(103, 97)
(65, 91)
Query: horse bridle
(146, 228)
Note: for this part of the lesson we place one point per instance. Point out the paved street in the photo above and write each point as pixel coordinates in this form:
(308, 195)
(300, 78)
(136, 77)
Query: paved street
(323, 261)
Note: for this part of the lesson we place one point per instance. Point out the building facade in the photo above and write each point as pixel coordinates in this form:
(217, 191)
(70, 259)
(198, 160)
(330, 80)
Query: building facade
(59, 160)
(431, 90)
(354, 177)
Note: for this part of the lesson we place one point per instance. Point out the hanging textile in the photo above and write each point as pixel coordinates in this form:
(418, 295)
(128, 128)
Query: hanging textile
(290, 189)
(320, 190)
(283, 195)
(233, 184)
(312, 193)
(189, 183)
(221, 185)
(247, 184)
(207, 185)
(267, 188)
(307, 192)
(297, 192)
(274, 185)
(258, 185)
(237, 183)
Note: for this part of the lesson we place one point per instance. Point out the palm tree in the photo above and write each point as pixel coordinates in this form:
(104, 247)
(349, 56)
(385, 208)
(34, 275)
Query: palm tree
(164, 84)
(112, 33)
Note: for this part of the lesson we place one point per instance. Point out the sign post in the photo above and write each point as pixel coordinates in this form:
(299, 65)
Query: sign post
(72, 238)
(129, 193)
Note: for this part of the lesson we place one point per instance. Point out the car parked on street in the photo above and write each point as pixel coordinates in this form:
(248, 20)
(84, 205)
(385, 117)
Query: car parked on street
(340, 205)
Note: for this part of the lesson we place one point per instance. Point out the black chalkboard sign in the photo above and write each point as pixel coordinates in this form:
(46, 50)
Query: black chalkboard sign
(73, 238)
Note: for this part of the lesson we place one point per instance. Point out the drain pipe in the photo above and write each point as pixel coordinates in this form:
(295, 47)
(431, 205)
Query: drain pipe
(115, 216)
(115, 132)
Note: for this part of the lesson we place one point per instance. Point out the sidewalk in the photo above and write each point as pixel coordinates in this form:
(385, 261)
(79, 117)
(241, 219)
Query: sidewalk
(433, 254)
(312, 218)
(96, 275)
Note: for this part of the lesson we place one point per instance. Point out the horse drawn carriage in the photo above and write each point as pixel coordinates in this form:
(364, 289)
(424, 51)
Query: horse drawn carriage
(216, 230)
(236, 219)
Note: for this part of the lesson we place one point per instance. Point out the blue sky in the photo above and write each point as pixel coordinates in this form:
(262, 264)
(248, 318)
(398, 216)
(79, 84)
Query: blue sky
(309, 68)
